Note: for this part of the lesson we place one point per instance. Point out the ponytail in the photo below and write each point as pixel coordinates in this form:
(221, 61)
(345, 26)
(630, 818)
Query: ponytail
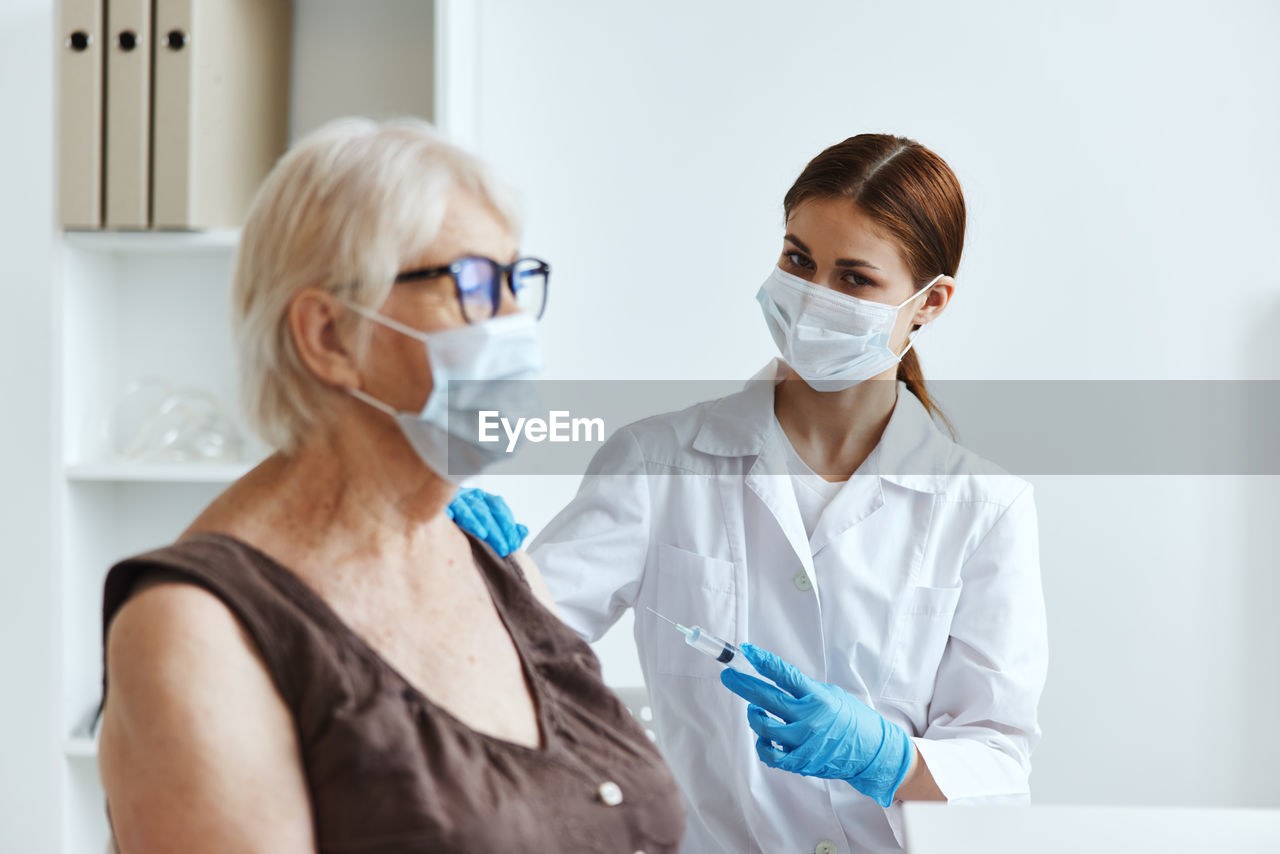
(909, 372)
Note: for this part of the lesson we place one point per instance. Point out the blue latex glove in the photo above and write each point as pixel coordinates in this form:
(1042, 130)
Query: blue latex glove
(487, 517)
(823, 731)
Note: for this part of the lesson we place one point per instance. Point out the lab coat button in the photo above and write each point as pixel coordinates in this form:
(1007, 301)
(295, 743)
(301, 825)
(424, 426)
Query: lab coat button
(609, 793)
(802, 582)
(826, 846)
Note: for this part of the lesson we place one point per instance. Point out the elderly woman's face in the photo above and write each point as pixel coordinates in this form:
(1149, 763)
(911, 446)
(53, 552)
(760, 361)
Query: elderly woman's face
(396, 370)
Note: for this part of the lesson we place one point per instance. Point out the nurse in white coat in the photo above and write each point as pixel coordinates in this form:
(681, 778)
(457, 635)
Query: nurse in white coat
(822, 515)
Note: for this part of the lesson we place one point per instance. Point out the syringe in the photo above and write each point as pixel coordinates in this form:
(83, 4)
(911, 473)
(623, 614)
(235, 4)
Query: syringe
(708, 644)
(718, 648)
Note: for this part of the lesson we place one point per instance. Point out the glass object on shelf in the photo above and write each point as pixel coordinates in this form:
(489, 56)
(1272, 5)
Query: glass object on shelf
(152, 422)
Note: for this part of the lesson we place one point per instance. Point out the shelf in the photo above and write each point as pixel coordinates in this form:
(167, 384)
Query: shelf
(80, 747)
(123, 472)
(155, 242)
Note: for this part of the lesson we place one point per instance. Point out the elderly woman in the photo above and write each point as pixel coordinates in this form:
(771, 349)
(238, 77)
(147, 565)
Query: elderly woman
(323, 661)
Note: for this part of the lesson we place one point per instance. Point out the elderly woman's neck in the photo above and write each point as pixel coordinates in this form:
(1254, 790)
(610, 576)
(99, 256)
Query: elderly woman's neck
(339, 491)
(371, 481)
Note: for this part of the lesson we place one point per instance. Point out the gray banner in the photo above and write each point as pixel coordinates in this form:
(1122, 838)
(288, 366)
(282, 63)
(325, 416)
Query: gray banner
(1027, 428)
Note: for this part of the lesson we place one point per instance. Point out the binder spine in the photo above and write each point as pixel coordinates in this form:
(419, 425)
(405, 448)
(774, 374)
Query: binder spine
(80, 114)
(221, 107)
(176, 44)
(128, 114)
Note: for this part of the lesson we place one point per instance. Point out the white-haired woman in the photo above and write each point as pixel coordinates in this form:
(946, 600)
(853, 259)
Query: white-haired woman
(323, 661)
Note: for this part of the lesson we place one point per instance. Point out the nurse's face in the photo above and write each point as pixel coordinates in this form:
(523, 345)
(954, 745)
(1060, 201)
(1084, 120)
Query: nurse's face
(833, 244)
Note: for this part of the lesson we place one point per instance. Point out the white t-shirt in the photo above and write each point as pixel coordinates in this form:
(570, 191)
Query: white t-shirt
(813, 491)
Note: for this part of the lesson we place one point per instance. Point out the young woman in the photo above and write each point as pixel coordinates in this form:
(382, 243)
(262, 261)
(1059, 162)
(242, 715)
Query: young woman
(821, 514)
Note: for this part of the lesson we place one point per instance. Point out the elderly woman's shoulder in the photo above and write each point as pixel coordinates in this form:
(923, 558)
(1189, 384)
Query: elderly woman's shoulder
(193, 727)
(166, 609)
(167, 624)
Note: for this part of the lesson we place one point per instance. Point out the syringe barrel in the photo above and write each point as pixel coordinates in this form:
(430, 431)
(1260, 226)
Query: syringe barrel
(708, 644)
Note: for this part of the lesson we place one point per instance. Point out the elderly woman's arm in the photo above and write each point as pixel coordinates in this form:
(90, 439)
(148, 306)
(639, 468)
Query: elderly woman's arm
(198, 752)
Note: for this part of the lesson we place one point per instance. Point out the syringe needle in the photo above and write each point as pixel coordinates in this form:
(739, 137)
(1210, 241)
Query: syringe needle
(656, 614)
(683, 629)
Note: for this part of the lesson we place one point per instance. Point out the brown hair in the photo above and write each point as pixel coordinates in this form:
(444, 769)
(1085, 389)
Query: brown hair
(908, 192)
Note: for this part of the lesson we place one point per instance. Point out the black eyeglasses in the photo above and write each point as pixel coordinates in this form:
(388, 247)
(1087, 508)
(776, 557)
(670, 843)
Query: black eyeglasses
(479, 283)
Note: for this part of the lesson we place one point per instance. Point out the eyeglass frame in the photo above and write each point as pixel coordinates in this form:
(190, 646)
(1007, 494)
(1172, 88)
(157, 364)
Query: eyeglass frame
(503, 274)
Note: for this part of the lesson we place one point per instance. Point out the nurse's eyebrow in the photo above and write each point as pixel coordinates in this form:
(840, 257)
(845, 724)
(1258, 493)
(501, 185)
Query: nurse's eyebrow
(842, 262)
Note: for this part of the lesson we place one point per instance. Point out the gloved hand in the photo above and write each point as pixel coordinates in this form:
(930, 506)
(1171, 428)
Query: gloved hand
(487, 517)
(824, 730)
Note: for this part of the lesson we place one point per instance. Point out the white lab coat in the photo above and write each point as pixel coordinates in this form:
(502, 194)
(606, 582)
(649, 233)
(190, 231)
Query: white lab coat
(919, 592)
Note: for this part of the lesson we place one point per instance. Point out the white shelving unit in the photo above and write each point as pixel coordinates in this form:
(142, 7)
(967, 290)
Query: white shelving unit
(81, 747)
(155, 242)
(129, 306)
(124, 472)
(132, 306)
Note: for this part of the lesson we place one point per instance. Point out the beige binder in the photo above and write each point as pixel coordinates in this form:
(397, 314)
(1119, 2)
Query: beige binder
(80, 114)
(127, 155)
(221, 107)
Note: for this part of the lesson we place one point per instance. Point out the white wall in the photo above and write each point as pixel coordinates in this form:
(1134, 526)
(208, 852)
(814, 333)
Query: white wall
(29, 741)
(1119, 161)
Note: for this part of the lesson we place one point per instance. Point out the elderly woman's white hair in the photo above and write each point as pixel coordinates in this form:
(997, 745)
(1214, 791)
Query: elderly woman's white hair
(343, 210)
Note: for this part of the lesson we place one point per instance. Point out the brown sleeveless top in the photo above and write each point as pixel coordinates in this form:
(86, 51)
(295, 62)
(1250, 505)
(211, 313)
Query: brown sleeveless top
(390, 771)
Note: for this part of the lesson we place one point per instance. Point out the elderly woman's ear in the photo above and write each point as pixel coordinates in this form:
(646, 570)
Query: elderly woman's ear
(315, 323)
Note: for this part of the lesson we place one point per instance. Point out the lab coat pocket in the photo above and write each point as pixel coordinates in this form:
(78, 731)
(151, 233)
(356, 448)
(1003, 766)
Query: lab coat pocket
(696, 591)
(920, 637)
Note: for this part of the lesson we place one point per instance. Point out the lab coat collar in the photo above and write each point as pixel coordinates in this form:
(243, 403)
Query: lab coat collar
(912, 453)
(738, 424)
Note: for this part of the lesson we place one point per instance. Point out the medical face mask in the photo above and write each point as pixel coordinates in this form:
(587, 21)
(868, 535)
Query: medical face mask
(478, 367)
(832, 340)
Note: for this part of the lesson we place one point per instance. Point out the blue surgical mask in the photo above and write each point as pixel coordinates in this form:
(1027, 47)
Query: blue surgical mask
(832, 340)
(478, 367)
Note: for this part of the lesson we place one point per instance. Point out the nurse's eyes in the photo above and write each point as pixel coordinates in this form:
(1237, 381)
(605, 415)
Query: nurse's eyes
(849, 281)
(798, 260)
(855, 280)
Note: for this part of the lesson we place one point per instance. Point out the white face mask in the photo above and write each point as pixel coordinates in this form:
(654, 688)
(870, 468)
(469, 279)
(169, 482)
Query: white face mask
(832, 340)
(487, 363)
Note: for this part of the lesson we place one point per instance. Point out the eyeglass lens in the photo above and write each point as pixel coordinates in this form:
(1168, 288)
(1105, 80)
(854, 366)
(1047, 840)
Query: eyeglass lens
(476, 279)
(480, 281)
(529, 284)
